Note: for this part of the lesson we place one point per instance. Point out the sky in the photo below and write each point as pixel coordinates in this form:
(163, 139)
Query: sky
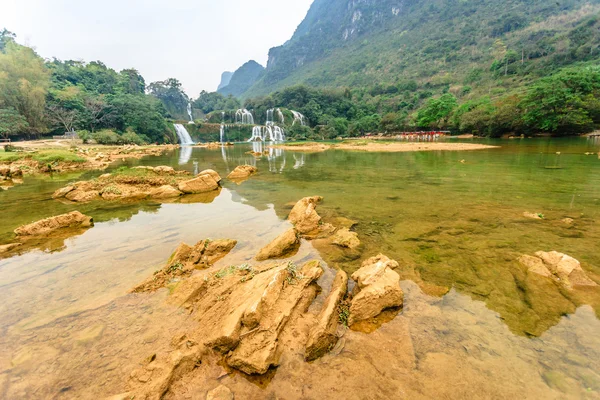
(191, 40)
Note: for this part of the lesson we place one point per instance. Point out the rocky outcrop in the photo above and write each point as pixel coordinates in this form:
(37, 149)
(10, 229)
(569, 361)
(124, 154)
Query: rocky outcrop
(206, 181)
(185, 260)
(346, 238)
(165, 192)
(220, 393)
(284, 245)
(323, 336)
(47, 226)
(563, 268)
(304, 216)
(377, 289)
(242, 172)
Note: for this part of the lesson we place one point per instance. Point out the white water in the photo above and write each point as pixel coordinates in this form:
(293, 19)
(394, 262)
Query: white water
(281, 117)
(243, 116)
(273, 133)
(222, 134)
(298, 117)
(189, 111)
(184, 137)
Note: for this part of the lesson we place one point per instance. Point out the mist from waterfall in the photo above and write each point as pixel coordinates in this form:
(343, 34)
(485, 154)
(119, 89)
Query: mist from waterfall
(184, 137)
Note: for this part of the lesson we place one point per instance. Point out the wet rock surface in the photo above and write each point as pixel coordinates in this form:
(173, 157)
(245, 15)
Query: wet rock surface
(563, 268)
(304, 216)
(185, 260)
(47, 226)
(206, 181)
(284, 245)
(242, 172)
(377, 289)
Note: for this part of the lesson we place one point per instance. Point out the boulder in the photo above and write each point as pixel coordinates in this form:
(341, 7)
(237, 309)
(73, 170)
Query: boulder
(165, 192)
(285, 244)
(323, 336)
(242, 172)
(566, 269)
(15, 172)
(164, 170)
(46, 226)
(206, 181)
(82, 196)
(346, 238)
(60, 193)
(532, 216)
(4, 170)
(220, 393)
(304, 215)
(377, 289)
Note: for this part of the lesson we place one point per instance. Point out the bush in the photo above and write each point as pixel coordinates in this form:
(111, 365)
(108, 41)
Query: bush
(107, 137)
(84, 135)
(130, 137)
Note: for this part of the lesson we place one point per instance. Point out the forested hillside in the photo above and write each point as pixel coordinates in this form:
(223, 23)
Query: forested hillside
(242, 79)
(477, 66)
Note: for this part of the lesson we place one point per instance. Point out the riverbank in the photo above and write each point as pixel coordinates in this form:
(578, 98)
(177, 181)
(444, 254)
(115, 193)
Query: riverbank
(377, 146)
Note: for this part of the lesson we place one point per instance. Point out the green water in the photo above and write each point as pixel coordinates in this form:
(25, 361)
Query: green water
(453, 220)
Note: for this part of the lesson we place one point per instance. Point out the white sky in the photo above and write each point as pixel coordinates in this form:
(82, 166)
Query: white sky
(191, 40)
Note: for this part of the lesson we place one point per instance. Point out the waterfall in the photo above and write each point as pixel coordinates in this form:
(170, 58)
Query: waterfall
(281, 117)
(184, 137)
(298, 118)
(270, 117)
(189, 111)
(222, 134)
(256, 134)
(243, 116)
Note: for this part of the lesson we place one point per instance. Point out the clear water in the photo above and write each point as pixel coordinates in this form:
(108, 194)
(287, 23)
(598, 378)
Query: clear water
(477, 326)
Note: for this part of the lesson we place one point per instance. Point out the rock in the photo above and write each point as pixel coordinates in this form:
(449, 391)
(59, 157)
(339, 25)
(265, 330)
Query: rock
(9, 247)
(345, 238)
(535, 265)
(567, 221)
(532, 216)
(60, 193)
(566, 268)
(165, 192)
(164, 170)
(212, 251)
(82, 196)
(4, 170)
(46, 226)
(242, 172)
(323, 336)
(378, 289)
(122, 396)
(285, 244)
(15, 172)
(304, 216)
(206, 181)
(344, 222)
(220, 393)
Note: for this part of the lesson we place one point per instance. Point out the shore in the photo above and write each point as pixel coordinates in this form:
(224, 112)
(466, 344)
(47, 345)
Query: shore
(399, 147)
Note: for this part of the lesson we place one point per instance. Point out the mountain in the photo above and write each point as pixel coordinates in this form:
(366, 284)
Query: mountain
(243, 79)
(225, 79)
(478, 45)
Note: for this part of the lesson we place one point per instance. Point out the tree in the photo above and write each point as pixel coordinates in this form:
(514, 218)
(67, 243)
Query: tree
(131, 82)
(11, 122)
(62, 116)
(436, 112)
(171, 94)
(96, 112)
(5, 37)
(24, 82)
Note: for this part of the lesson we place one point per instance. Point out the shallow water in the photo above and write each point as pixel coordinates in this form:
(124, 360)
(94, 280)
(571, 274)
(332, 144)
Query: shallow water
(478, 327)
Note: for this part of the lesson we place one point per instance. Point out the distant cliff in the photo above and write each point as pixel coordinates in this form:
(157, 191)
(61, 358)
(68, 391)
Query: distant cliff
(225, 79)
(242, 79)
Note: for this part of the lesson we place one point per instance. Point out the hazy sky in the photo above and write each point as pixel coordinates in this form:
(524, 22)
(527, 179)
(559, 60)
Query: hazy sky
(191, 40)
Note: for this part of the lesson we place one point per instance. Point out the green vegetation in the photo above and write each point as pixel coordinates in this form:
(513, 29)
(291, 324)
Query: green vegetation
(243, 79)
(55, 156)
(53, 97)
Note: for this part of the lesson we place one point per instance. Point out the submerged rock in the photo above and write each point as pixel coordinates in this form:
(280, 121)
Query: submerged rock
(60, 193)
(220, 393)
(346, 238)
(565, 269)
(323, 336)
(47, 226)
(304, 215)
(285, 244)
(242, 172)
(206, 181)
(532, 216)
(378, 289)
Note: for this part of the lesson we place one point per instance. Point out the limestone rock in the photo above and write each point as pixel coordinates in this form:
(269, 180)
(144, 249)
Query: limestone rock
(323, 336)
(164, 170)
(242, 172)
(60, 193)
(532, 216)
(304, 215)
(565, 268)
(16, 172)
(346, 238)
(535, 265)
(82, 196)
(220, 393)
(9, 247)
(206, 181)
(284, 244)
(46, 226)
(165, 192)
(378, 289)
(4, 170)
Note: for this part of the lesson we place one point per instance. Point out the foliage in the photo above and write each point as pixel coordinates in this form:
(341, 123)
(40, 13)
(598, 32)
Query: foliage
(243, 79)
(108, 137)
(436, 112)
(11, 122)
(54, 156)
(170, 93)
(209, 102)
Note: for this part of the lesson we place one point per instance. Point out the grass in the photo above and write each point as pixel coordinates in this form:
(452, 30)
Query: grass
(10, 157)
(55, 156)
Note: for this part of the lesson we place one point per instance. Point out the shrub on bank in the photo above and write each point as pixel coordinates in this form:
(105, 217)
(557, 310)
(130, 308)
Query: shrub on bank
(108, 137)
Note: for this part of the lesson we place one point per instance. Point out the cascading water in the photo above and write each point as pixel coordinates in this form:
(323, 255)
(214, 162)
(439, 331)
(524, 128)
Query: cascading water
(243, 116)
(270, 117)
(222, 134)
(184, 137)
(189, 111)
(298, 117)
(281, 117)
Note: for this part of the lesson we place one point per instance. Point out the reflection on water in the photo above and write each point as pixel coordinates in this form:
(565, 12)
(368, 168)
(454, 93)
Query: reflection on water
(185, 153)
(475, 324)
